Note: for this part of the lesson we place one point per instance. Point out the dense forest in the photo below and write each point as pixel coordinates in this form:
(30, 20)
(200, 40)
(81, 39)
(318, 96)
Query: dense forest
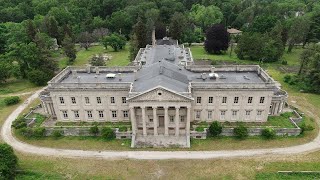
(30, 30)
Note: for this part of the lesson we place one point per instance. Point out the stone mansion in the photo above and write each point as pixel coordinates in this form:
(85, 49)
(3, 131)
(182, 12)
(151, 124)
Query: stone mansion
(162, 93)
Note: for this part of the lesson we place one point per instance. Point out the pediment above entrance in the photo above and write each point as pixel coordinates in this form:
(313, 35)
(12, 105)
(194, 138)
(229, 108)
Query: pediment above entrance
(160, 94)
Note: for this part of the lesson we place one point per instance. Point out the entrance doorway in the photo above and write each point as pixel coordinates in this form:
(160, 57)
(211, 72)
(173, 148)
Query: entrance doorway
(161, 121)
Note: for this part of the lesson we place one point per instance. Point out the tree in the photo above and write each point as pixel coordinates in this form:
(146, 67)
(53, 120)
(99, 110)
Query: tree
(31, 30)
(140, 31)
(120, 22)
(177, 27)
(259, 47)
(263, 24)
(39, 77)
(161, 30)
(116, 41)
(107, 133)
(8, 162)
(52, 28)
(217, 39)
(97, 61)
(5, 70)
(205, 16)
(3, 38)
(298, 32)
(69, 49)
(268, 133)
(215, 129)
(99, 33)
(314, 33)
(85, 39)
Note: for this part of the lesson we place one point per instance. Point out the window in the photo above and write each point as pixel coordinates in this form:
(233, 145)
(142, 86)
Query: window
(151, 120)
(114, 114)
(171, 118)
(250, 100)
(87, 100)
(198, 100)
(236, 100)
(73, 100)
(125, 114)
(76, 114)
(222, 115)
(181, 118)
(112, 100)
(210, 100)
(209, 114)
(234, 115)
(124, 100)
(259, 114)
(101, 115)
(198, 114)
(99, 100)
(61, 100)
(65, 114)
(89, 114)
(261, 100)
(224, 100)
(247, 117)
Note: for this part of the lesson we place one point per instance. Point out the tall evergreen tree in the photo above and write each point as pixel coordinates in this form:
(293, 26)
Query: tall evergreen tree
(69, 49)
(31, 30)
(217, 39)
(177, 26)
(140, 31)
(53, 28)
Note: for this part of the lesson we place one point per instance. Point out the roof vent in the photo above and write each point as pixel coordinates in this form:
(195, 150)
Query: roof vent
(95, 76)
(213, 76)
(223, 77)
(110, 75)
(246, 77)
(88, 69)
(204, 76)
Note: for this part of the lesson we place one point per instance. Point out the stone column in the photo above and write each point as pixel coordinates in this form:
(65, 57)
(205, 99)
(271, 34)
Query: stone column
(177, 120)
(133, 120)
(144, 120)
(155, 121)
(166, 121)
(188, 121)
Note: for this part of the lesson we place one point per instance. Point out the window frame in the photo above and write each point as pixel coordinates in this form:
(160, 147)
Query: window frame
(224, 100)
(65, 114)
(250, 99)
(124, 100)
(99, 100)
(89, 114)
(101, 114)
(198, 100)
(112, 100)
(262, 100)
(87, 100)
(236, 100)
(125, 114)
(73, 100)
(76, 114)
(114, 114)
(61, 99)
(210, 100)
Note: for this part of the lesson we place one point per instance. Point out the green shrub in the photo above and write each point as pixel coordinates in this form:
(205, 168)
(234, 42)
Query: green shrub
(123, 128)
(19, 123)
(305, 127)
(107, 133)
(268, 133)
(38, 132)
(94, 130)
(12, 100)
(39, 77)
(241, 131)
(284, 62)
(215, 128)
(200, 129)
(57, 134)
(8, 162)
(26, 131)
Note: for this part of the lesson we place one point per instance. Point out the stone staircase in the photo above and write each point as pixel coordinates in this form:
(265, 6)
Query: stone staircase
(162, 141)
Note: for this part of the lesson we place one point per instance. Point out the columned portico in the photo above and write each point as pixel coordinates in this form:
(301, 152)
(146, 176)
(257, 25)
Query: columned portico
(160, 120)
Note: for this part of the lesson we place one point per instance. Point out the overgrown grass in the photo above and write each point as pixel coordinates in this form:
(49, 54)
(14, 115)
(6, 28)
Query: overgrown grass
(120, 58)
(17, 86)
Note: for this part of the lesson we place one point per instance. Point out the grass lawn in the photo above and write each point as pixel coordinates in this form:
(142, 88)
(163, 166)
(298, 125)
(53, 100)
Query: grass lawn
(120, 58)
(17, 86)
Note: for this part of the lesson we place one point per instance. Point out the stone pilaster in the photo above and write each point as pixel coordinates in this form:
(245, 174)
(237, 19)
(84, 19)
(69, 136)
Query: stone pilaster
(166, 121)
(155, 121)
(177, 120)
(144, 121)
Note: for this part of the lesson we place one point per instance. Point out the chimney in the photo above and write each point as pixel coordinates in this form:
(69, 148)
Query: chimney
(204, 76)
(97, 70)
(161, 70)
(74, 74)
(88, 69)
(153, 37)
(120, 76)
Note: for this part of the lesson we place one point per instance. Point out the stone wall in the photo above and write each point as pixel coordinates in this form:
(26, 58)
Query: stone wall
(84, 131)
(251, 131)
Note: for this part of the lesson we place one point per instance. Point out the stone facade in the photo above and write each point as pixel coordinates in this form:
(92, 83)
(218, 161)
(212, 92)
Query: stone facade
(163, 92)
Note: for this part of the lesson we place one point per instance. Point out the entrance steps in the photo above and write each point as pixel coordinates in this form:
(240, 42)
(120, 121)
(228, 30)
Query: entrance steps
(162, 141)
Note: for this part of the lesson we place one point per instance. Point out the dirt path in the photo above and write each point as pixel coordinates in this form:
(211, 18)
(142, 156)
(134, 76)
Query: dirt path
(17, 94)
(43, 151)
